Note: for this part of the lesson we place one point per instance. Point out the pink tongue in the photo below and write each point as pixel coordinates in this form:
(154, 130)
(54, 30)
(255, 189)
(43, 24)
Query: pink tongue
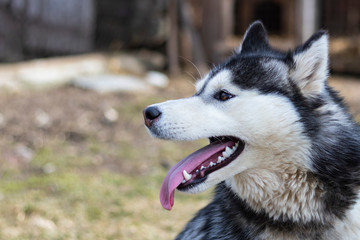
(191, 162)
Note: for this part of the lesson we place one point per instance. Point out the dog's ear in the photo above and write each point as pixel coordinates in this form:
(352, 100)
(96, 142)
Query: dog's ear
(255, 39)
(309, 64)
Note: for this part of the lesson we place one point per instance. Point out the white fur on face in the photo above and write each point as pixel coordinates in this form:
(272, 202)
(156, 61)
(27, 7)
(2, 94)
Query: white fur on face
(268, 124)
(195, 117)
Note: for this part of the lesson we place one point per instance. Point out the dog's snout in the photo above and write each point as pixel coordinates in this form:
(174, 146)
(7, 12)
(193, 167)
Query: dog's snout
(150, 115)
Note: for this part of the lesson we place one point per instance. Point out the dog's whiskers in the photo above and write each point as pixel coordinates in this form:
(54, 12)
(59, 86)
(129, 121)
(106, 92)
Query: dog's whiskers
(192, 76)
(193, 64)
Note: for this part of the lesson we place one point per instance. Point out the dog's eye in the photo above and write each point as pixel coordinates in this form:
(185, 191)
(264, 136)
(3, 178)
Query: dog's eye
(223, 95)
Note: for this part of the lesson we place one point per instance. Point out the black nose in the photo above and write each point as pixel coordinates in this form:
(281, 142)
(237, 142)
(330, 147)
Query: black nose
(150, 115)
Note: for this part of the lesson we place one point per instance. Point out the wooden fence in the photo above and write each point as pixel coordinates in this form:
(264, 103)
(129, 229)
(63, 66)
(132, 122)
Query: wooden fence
(45, 27)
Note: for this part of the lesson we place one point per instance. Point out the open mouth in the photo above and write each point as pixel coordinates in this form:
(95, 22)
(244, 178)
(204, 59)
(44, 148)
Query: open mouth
(195, 168)
(220, 159)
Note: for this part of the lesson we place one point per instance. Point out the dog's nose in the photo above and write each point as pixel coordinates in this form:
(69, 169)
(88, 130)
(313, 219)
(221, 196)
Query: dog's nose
(150, 115)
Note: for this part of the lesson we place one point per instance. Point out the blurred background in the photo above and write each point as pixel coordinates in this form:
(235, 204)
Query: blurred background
(202, 31)
(75, 159)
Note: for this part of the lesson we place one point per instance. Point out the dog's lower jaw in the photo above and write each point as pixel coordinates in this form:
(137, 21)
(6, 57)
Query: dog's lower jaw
(201, 187)
(293, 195)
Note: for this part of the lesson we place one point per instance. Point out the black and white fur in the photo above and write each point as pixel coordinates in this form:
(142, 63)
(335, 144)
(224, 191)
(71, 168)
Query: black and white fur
(298, 176)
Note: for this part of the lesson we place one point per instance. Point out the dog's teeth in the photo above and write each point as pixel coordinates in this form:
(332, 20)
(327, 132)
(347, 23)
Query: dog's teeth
(183, 181)
(220, 159)
(225, 154)
(186, 175)
(234, 148)
(229, 150)
(212, 164)
(202, 167)
(197, 170)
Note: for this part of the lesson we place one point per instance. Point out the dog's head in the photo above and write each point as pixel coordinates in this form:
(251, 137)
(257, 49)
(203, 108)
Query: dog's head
(254, 109)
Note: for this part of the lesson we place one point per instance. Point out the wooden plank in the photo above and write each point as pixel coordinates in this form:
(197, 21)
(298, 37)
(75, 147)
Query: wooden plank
(49, 40)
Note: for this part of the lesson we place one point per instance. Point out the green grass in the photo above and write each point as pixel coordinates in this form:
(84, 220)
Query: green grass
(80, 205)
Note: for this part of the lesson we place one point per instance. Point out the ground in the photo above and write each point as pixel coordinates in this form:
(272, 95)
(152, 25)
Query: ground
(80, 165)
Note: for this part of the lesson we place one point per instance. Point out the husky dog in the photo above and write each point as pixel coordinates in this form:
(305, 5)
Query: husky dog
(284, 152)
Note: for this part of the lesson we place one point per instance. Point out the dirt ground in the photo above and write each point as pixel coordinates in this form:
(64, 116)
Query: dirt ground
(67, 114)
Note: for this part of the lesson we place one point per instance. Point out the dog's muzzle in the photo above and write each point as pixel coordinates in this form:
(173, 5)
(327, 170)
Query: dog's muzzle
(151, 114)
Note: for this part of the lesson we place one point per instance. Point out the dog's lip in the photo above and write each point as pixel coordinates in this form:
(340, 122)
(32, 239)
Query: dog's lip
(194, 161)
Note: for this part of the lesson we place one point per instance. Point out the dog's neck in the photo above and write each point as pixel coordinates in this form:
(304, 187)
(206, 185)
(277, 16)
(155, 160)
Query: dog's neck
(287, 195)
